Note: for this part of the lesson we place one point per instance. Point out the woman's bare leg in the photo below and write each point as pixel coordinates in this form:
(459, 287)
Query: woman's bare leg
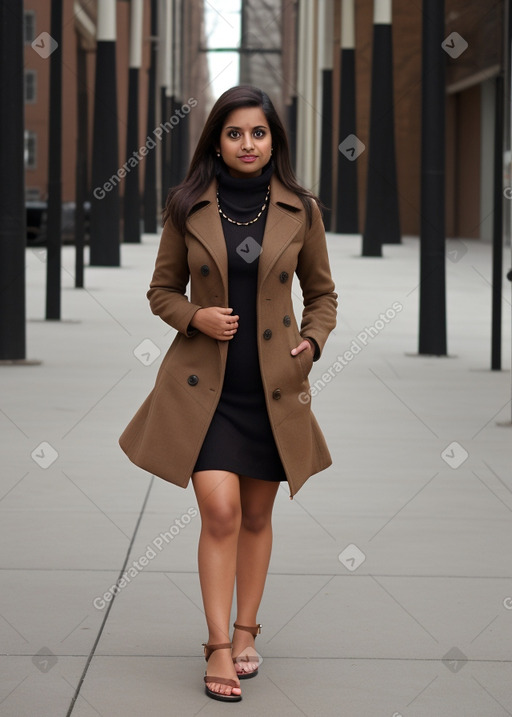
(218, 497)
(254, 549)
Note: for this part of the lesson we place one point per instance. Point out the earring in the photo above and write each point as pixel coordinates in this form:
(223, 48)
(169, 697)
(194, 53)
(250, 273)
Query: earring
(218, 154)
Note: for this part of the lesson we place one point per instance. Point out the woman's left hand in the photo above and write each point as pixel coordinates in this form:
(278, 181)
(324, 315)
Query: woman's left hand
(303, 346)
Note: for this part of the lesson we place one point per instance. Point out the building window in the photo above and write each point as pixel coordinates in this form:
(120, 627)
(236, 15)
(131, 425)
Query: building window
(30, 86)
(32, 194)
(29, 25)
(30, 149)
(223, 32)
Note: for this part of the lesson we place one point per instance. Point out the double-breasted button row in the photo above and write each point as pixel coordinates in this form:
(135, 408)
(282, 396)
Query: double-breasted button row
(205, 270)
(192, 380)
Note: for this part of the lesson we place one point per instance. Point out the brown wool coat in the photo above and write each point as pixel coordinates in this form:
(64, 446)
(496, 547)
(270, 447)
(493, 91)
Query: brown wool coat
(165, 435)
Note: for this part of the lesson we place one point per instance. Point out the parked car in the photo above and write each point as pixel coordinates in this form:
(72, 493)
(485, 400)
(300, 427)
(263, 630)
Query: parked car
(37, 217)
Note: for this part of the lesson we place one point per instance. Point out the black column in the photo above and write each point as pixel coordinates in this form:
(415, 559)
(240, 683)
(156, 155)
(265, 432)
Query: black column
(53, 233)
(326, 148)
(105, 250)
(12, 183)
(150, 203)
(432, 320)
(292, 130)
(82, 153)
(131, 200)
(497, 228)
(347, 193)
(175, 151)
(166, 104)
(382, 223)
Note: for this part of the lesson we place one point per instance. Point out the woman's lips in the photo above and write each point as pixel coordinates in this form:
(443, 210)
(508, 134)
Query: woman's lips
(248, 158)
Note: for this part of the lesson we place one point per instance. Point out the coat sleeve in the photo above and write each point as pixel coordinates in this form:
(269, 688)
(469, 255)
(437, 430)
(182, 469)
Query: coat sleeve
(167, 297)
(319, 297)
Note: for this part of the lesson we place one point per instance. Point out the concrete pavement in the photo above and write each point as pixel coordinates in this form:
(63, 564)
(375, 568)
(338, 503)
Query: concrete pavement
(390, 586)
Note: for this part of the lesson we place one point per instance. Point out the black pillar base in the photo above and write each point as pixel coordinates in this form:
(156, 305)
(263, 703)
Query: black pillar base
(150, 201)
(104, 240)
(382, 225)
(432, 320)
(347, 220)
(326, 149)
(13, 233)
(131, 199)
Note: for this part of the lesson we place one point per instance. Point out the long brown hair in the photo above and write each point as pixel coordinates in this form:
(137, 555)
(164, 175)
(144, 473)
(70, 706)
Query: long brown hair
(201, 173)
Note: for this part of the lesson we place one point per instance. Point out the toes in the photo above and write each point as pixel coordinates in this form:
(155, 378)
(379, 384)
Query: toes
(223, 689)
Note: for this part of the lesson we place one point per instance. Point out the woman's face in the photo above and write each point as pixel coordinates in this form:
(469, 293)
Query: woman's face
(245, 142)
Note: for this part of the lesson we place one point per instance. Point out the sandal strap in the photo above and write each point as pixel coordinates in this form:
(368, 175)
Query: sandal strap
(245, 658)
(253, 629)
(209, 649)
(221, 681)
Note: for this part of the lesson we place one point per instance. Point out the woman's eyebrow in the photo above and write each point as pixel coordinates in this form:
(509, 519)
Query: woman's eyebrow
(258, 126)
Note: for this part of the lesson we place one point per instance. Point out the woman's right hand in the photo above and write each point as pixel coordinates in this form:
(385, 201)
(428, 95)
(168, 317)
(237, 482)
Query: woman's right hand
(216, 322)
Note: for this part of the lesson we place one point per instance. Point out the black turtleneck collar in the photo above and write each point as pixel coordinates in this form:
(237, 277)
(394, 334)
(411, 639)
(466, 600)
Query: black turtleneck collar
(242, 197)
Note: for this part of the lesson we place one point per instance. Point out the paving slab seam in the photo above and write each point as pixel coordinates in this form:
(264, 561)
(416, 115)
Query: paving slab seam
(287, 657)
(107, 613)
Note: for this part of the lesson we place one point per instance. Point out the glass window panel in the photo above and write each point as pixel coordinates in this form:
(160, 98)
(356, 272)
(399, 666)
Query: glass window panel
(29, 26)
(222, 23)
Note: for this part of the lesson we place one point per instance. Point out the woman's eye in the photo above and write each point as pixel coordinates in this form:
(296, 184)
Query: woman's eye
(259, 133)
(234, 134)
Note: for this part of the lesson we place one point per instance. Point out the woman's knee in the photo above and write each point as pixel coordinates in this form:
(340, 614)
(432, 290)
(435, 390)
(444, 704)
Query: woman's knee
(256, 521)
(222, 519)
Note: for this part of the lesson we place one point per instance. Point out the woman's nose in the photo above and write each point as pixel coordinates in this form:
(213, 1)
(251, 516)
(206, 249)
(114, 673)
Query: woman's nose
(247, 142)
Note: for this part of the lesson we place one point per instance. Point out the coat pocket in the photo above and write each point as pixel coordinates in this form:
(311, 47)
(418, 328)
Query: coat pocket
(305, 359)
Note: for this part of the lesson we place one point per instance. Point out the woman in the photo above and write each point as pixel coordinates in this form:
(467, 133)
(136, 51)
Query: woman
(228, 405)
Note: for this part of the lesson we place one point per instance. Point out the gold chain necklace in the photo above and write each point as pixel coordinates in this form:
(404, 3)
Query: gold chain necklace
(244, 224)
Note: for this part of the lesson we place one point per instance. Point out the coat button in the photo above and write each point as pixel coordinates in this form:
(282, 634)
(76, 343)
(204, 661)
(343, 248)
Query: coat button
(283, 277)
(192, 380)
(267, 334)
(286, 320)
(205, 270)
(276, 394)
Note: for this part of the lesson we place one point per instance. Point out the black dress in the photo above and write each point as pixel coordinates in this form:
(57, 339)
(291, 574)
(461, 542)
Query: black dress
(240, 438)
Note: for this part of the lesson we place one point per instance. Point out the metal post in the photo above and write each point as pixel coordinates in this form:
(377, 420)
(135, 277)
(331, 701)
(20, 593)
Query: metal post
(164, 48)
(81, 183)
(182, 127)
(497, 228)
(12, 184)
(131, 199)
(150, 201)
(432, 320)
(53, 230)
(347, 221)
(382, 223)
(104, 242)
(326, 42)
(176, 149)
(508, 132)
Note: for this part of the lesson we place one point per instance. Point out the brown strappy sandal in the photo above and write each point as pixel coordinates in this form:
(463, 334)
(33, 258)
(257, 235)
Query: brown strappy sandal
(208, 650)
(255, 630)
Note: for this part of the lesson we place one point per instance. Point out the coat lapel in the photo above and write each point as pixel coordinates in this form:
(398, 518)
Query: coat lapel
(285, 217)
(283, 222)
(205, 225)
